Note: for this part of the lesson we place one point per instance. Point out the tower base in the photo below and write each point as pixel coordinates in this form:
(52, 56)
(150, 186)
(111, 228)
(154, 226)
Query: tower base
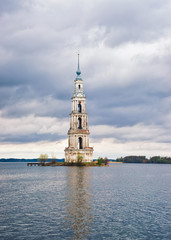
(79, 155)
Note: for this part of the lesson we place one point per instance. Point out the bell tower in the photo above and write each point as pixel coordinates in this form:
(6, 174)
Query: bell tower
(78, 134)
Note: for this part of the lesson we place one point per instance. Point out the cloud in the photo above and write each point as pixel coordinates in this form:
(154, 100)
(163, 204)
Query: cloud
(134, 21)
(139, 132)
(112, 149)
(32, 128)
(10, 6)
(33, 150)
(40, 106)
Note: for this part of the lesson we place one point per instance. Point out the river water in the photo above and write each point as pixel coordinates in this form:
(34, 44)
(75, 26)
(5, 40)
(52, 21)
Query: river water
(123, 201)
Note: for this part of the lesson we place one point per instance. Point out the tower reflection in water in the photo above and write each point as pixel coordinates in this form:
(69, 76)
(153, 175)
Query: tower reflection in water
(78, 201)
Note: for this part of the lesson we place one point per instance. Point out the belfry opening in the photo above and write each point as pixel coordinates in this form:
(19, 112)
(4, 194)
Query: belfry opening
(80, 146)
(79, 107)
(79, 123)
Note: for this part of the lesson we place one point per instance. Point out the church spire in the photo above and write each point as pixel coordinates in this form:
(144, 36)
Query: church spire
(78, 72)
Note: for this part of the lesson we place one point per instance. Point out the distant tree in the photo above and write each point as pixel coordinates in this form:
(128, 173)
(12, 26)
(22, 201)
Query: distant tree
(99, 161)
(143, 159)
(167, 159)
(105, 161)
(134, 159)
(43, 158)
(158, 159)
(119, 159)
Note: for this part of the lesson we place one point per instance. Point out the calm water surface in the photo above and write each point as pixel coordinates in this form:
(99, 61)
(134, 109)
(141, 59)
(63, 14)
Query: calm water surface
(124, 201)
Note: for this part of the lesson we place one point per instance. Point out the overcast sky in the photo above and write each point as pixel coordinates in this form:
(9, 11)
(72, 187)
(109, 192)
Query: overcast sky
(125, 60)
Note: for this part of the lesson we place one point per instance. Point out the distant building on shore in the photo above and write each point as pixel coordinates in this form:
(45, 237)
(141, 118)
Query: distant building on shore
(78, 135)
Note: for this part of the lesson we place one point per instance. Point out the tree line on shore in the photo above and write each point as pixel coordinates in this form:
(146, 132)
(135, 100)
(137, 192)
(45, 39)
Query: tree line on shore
(143, 159)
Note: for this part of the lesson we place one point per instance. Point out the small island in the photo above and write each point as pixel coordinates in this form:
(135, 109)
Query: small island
(43, 161)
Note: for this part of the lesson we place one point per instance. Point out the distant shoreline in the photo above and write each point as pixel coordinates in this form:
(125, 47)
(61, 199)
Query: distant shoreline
(127, 159)
(153, 160)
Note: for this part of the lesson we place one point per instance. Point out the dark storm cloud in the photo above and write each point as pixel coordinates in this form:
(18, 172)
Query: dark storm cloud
(25, 90)
(16, 74)
(9, 6)
(133, 20)
(139, 102)
(31, 138)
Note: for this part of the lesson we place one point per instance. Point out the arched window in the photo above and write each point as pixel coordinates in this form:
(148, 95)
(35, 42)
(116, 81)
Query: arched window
(79, 86)
(80, 145)
(79, 123)
(79, 108)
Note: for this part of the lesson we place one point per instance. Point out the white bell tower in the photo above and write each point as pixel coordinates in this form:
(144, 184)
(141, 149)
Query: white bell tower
(78, 134)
